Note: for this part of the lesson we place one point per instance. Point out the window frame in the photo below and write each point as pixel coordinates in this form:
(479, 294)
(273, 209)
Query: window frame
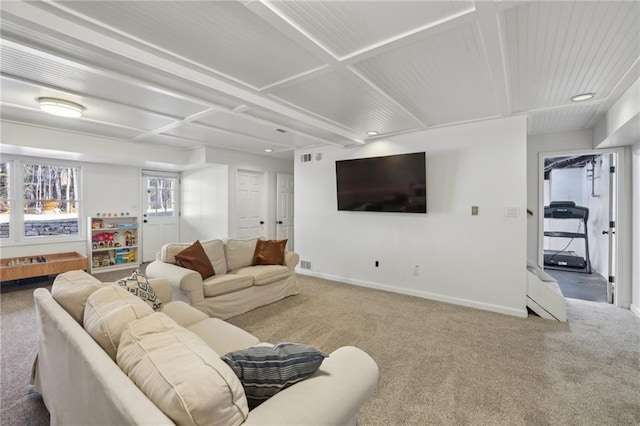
(16, 193)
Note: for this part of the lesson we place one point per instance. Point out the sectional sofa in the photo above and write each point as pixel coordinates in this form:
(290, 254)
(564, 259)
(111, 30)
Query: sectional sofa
(106, 357)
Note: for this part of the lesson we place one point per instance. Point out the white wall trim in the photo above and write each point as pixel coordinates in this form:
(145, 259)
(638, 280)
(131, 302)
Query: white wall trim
(423, 294)
(635, 309)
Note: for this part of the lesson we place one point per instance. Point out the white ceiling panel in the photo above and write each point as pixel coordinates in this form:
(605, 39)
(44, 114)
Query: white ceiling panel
(344, 28)
(210, 136)
(442, 79)
(560, 49)
(76, 78)
(39, 118)
(184, 74)
(26, 94)
(558, 120)
(348, 102)
(209, 34)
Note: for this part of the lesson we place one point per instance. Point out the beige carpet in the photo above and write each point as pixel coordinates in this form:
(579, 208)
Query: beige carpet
(439, 363)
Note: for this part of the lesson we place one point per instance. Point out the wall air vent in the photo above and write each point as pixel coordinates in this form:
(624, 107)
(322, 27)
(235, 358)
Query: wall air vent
(305, 264)
(305, 158)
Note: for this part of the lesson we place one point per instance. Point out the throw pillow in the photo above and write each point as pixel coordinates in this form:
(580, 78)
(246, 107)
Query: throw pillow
(139, 285)
(269, 252)
(264, 370)
(195, 258)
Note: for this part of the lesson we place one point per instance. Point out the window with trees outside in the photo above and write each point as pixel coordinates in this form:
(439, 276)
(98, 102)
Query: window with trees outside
(161, 196)
(49, 195)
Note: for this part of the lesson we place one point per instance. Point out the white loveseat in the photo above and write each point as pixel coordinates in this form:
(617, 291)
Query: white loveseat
(82, 384)
(238, 285)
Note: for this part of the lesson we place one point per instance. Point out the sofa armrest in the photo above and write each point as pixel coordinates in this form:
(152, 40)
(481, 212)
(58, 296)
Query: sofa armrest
(186, 281)
(333, 395)
(291, 259)
(162, 288)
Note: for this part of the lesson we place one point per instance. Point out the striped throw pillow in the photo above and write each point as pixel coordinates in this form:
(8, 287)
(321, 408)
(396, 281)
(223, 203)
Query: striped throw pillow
(264, 371)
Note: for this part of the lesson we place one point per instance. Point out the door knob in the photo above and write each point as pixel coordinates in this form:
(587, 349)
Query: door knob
(279, 222)
(606, 232)
(262, 222)
(144, 221)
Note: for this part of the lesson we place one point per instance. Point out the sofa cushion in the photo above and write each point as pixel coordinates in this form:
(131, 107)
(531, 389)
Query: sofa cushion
(107, 312)
(239, 253)
(183, 313)
(269, 252)
(222, 336)
(227, 283)
(264, 274)
(194, 258)
(180, 374)
(213, 248)
(138, 285)
(264, 371)
(71, 290)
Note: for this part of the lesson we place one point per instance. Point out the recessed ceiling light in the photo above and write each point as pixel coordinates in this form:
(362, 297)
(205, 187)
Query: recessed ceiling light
(582, 97)
(60, 107)
(372, 133)
(268, 150)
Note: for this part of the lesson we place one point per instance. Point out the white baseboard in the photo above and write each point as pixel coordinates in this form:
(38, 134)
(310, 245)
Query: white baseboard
(635, 309)
(423, 294)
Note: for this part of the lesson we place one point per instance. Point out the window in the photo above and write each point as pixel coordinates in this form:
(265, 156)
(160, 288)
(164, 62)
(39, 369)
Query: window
(161, 195)
(39, 201)
(5, 201)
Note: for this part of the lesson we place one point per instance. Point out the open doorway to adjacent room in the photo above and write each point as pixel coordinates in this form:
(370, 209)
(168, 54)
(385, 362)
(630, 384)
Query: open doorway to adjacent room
(579, 224)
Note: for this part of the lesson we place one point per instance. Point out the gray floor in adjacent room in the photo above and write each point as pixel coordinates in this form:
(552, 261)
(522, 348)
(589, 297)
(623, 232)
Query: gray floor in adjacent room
(577, 285)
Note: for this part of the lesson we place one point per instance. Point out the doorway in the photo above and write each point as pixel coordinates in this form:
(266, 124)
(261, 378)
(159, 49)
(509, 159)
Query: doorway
(284, 214)
(579, 199)
(160, 212)
(249, 204)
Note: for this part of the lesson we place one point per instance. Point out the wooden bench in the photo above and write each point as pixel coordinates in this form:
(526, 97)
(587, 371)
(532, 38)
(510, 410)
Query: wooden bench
(29, 267)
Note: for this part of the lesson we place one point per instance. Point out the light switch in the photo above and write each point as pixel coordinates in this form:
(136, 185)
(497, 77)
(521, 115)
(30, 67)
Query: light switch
(474, 210)
(511, 212)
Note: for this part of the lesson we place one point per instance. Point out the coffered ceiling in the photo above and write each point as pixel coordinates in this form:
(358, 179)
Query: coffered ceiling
(281, 75)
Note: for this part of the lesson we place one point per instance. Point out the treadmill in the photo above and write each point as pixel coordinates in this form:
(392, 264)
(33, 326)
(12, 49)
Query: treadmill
(562, 259)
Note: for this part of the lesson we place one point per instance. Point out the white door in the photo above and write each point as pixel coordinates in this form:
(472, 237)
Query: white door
(284, 214)
(611, 290)
(160, 212)
(249, 204)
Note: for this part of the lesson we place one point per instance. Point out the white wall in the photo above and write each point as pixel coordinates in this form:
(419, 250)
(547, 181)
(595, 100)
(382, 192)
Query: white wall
(536, 144)
(204, 195)
(635, 274)
(476, 261)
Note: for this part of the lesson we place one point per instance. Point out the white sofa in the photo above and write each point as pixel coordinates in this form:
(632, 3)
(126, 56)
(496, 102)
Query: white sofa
(237, 287)
(82, 384)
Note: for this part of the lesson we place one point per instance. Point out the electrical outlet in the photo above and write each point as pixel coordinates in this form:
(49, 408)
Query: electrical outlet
(416, 270)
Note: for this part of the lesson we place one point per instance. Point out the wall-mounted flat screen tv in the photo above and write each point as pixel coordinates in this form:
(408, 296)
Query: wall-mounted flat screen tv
(394, 183)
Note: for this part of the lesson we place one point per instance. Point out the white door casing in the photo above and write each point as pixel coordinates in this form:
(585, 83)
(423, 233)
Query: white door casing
(249, 204)
(284, 214)
(160, 212)
(611, 290)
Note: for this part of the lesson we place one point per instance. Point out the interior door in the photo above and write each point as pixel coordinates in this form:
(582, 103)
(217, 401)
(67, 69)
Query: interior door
(249, 204)
(160, 214)
(284, 214)
(611, 290)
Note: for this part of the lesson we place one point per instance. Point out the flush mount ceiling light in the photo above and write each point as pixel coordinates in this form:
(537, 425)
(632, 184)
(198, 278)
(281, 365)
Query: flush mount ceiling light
(582, 97)
(60, 107)
(268, 150)
(372, 133)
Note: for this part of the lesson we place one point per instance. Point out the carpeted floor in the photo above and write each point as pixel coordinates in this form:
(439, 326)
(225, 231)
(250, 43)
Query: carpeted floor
(439, 363)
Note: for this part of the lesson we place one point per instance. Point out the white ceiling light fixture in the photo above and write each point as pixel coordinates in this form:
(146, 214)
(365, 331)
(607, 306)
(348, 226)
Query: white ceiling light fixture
(373, 133)
(582, 97)
(268, 150)
(61, 107)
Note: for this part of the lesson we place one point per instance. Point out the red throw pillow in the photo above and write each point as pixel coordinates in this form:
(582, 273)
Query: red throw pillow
(194, 258)
(269, 252)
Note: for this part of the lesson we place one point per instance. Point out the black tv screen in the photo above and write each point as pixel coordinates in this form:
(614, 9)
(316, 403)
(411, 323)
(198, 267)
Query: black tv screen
(395, 183)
